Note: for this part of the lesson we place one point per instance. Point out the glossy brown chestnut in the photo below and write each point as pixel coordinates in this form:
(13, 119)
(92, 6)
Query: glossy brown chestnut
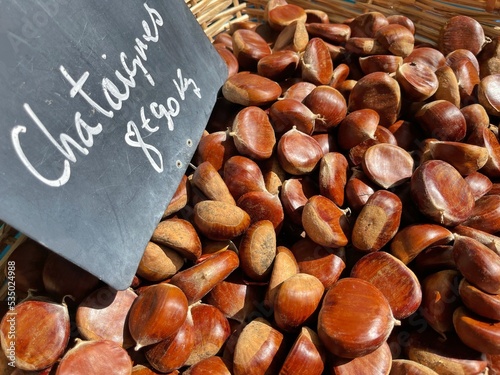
(172, 353)
(418, 81)
(483, 304)
(256, 348)
(461, 32)
(35, 334)
(324, 222)
(356, 127)
(157, 314)
(198, 280)
(485, 215)
(433, 259)
(398, 39)
(380, 92)
(279, 65)
(477, 263)
(448, 88)
(358, 189)
(250, 89)
(284, 266)
(98, 357)
(159, 262)
(253, 133)
(306, 356)
(488, 94)
(478, 333)
(465, 158)
(440, 298)
(208, 180)
(376, 362)
(489, 240)
(393, 278)
(324, 263)
(281, 16)
(316, 62)
(293, 38)
(243, 175)
(228, 56)
(354, 319)
(287, 113)
(333, 171)
(294, 195)
(298, 152)
(441, 193)
(365, 46)
(387, 165)
(429, 56)
(442, 120)
(295, 301)
(248, 48)
(216, 148)
(262, 205)
(211, 330)
(413, 239)
(210, 365)
(328, 104)
(380, 63)
(104, 315)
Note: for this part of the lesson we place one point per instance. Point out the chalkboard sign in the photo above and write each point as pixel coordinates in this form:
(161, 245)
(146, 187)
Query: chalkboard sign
(102, 104)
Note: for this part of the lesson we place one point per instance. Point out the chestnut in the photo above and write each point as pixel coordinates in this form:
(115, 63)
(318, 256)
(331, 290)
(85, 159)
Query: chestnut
(35, 334)
(355, 318)
(298, 152)
(380, 92)
(250, 89)
(208, 180)
(441, 193)
(257, 250)
(248, 48)
(104, 315)
(328, 104)
(316, 62)
(295, 301)
(179, 235)
(157, 314)
(306, 356)
(393, 278)
(378, 221)
(198, 280)
(219, 220)
(293, 38)
(257, 349)
(461, 32)
(95, 356)
(324, 222)
(253, 133)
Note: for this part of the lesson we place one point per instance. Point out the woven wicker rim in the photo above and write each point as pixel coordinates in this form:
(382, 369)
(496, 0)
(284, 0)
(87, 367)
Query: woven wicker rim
(216, 16)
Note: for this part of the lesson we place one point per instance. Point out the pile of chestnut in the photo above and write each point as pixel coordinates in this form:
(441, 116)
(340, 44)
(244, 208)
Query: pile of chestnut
(341, 215)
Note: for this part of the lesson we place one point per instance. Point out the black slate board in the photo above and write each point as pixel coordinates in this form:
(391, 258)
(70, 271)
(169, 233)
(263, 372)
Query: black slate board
(129, 86)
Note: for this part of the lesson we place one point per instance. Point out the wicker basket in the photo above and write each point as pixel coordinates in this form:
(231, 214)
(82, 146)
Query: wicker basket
(216, 16)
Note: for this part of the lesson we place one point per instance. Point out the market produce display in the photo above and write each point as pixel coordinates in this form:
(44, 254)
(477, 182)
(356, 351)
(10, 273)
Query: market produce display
(341, 215)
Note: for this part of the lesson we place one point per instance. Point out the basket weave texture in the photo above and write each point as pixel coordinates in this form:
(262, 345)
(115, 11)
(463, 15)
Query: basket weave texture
(429, 16)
